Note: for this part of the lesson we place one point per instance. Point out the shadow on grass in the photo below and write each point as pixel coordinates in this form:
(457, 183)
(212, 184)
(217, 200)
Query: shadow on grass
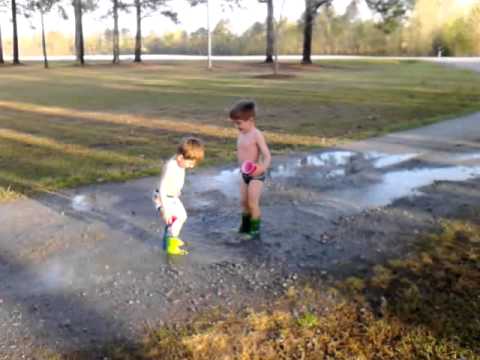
(59, 147)
(171, 125)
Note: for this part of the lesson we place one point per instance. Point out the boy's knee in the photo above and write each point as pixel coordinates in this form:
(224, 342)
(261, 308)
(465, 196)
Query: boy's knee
(182, 217)
(252, 204)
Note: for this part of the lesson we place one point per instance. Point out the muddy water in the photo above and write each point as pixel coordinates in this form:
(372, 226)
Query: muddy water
(367, 180)
(304, 195)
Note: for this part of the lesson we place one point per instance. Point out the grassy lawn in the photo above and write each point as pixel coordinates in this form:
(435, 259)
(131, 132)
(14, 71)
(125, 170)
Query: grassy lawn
(69, 126)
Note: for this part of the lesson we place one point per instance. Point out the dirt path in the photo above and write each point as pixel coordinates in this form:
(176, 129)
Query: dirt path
(85, 266)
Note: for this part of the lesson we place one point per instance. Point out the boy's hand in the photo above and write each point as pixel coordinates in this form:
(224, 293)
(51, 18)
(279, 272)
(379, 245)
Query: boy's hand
(164, 215)
(260, 170)
(168, 218)
(158, 204)
(156, 200)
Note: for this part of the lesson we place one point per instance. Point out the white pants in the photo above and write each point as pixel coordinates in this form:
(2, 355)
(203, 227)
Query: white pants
(174, 207)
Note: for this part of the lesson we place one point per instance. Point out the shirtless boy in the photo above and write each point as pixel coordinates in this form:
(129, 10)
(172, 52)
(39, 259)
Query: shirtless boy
(254, 158)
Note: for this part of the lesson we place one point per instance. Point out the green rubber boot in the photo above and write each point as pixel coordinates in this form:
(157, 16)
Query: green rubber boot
(246, 224)
(174, 245)
(255, 228)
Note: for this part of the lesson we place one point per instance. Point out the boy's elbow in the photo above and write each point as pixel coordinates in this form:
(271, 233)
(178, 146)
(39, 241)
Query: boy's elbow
(268, 159)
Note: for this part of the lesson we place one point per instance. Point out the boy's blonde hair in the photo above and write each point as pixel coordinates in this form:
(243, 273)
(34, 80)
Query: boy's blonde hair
(243, 110)
(191, 148)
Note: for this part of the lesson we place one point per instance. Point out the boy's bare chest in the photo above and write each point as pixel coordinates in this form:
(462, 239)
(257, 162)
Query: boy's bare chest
(246, 142)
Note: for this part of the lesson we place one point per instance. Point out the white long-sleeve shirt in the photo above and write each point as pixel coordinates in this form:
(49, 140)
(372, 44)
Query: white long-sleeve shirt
(172, 180)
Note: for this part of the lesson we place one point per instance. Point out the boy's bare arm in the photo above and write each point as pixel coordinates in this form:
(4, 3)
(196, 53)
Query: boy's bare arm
(264, 151)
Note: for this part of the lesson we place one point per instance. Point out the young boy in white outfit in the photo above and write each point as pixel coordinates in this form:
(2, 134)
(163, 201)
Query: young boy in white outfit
(167, 197)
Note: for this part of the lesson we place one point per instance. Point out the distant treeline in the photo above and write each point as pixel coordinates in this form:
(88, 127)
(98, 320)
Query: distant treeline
(435, 25)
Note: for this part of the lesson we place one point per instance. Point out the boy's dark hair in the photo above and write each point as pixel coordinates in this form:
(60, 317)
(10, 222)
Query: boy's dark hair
(243, 110)
(191, 148)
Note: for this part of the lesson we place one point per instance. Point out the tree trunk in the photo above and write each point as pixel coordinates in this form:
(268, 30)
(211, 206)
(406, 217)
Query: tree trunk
(16, 57)
(270, 34)
(116, 38)
(308, 32)
(209, 35)
(138, 38)
(44, 43)
(79, 46)
(2, 61)
(276, 43)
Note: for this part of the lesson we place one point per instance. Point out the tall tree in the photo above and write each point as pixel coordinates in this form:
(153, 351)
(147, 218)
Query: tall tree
(79, 43)
(15, 10)
(116, 36)
(16, 55)
(79, 7)
(44, 7)
(44, 41)
(3, 5)
(270, 31)
(352, 11)
(391, 11)
(143, 9)
(2, 61)
(229, 3)
(138, 35)
(311, 9)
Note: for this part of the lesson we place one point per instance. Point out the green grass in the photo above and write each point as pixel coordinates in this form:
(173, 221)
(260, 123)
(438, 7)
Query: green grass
(69, 126)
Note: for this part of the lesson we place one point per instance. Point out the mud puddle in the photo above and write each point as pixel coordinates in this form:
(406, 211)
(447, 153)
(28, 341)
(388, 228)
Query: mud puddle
(357, 180)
